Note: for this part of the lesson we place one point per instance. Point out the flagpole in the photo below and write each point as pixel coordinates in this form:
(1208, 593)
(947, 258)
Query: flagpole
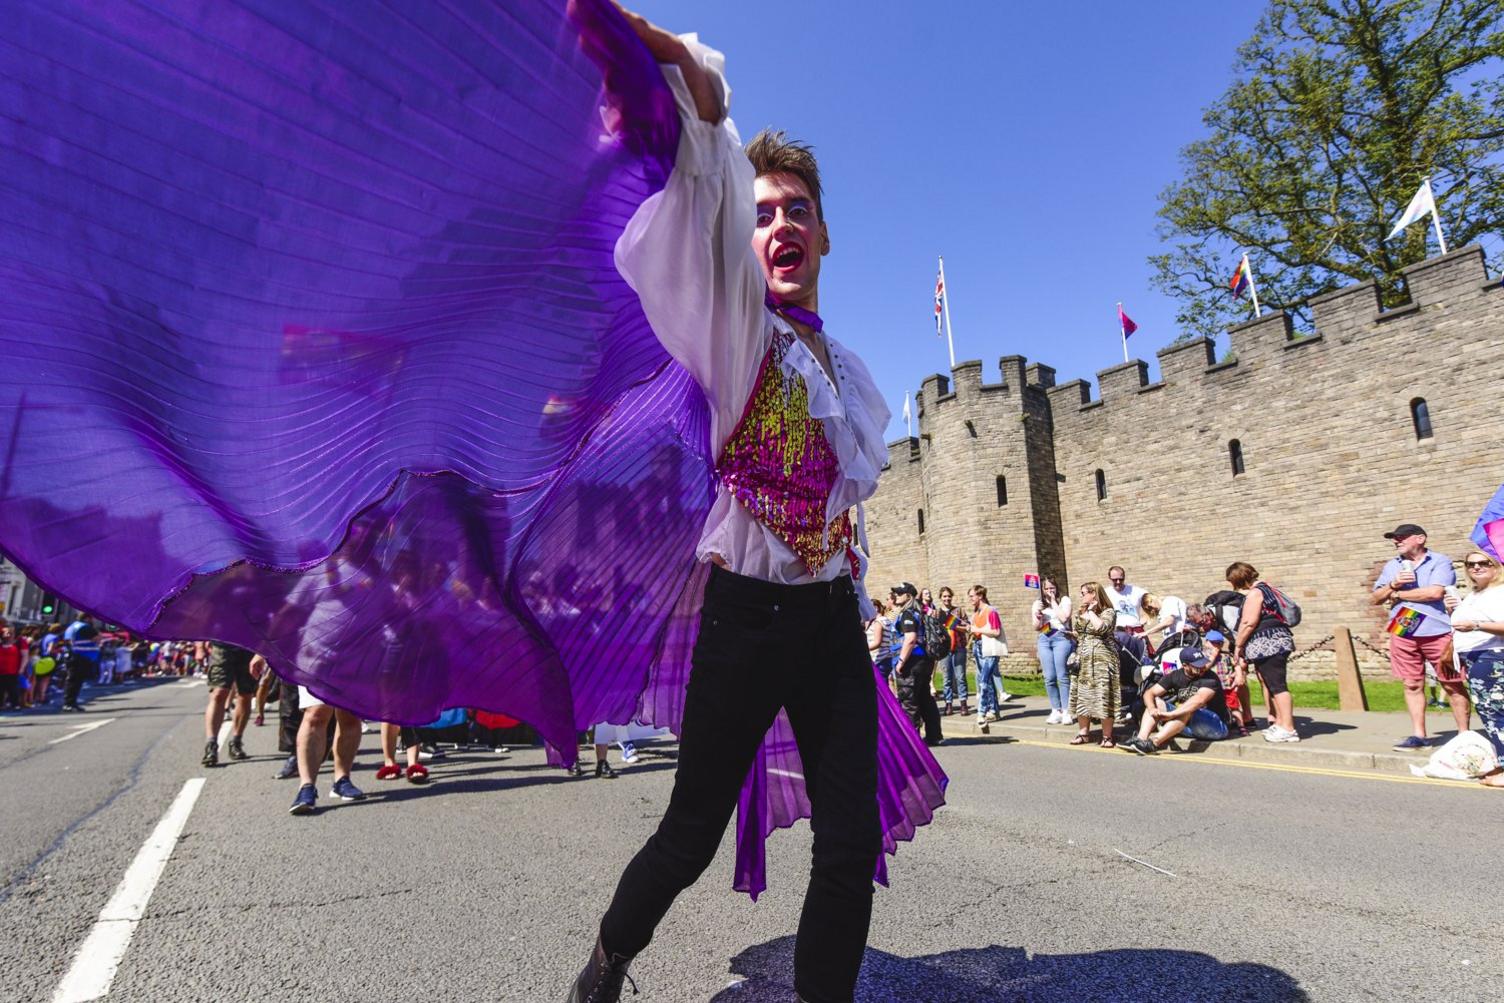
(1252, 287)
(1123, 330)
(950, 341)
(1436, 217)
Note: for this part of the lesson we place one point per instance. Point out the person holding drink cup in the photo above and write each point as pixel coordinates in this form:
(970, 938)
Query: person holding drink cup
(1413, 585)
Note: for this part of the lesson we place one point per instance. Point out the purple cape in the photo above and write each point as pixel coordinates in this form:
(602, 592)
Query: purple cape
(315, 345)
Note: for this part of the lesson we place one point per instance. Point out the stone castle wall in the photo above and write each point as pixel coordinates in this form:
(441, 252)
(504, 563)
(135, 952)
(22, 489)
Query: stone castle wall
(1331, 458)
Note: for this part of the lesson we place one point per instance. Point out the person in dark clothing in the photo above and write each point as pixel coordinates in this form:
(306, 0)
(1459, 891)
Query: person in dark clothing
(913, 666)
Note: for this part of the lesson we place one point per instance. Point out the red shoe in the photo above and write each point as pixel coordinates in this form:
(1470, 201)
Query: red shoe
(260, 720)
(417, 774)
(390, 772)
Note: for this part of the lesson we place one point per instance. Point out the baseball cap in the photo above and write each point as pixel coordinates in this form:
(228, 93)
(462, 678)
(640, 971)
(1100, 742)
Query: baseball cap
(1194, 657)
(905, 587)
(1405, 529)
(1216, 637)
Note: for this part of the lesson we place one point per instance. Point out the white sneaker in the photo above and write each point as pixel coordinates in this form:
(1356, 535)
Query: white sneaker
(1004, 697)
(1054, 717)
(1278, 734)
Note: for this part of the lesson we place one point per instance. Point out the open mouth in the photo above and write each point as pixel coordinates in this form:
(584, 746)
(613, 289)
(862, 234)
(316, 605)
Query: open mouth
(788, 256)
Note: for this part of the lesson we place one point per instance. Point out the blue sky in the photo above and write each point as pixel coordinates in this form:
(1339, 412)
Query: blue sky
(1028, 144)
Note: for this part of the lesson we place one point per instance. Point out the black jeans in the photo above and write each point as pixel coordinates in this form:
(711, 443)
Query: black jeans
(79, 668)
(916, 691)
(763, 647)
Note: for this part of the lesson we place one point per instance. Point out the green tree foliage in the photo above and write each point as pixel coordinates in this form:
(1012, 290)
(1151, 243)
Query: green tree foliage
(1337, 111)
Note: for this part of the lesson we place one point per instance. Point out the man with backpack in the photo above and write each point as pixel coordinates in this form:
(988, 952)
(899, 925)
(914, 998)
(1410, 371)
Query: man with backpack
(912, 663)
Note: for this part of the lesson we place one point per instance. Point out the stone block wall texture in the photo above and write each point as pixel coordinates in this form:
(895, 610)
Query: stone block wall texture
(1331, 459)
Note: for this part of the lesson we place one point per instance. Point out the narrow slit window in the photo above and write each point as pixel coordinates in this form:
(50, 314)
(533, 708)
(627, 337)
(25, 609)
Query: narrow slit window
(1101, 485)
(1420, 416)
(1002, 491)
(921, 520)
(1235, 453)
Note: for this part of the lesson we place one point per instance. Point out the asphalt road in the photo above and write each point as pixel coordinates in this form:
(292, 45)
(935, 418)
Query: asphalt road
(488, 883)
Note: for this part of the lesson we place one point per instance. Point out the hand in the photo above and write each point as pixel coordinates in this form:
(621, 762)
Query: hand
(1451, 603)
(1464, 625)
(1239, 679)
(1403, 580)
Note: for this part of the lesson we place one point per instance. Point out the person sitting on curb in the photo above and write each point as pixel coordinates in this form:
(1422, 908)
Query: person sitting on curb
(1190, 699)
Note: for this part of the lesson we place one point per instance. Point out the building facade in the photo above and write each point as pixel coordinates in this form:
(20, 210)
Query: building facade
(1296, 453)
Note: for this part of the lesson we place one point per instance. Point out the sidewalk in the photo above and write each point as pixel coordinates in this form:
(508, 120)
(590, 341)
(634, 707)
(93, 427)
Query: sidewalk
(1330, 739)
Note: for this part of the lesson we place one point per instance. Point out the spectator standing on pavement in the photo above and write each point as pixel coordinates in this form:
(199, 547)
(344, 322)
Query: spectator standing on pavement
(229, 669)
(1096, 693)
(1478, 636)
(313, 742)
(12, 659)
(878, 639)
(912, 665)
(1265, 642)
(953, 665)
(42, 672)
(1052, 619)
(1414, 581)
(83, 658)
(987, 650)
(1125, 600)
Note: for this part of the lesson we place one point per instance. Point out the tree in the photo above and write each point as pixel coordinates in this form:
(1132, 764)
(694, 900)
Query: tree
(1337, 111)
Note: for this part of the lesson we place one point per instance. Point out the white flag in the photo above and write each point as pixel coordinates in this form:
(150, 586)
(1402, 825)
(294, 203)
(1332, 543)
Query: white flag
(1420, 205)
(907, 416)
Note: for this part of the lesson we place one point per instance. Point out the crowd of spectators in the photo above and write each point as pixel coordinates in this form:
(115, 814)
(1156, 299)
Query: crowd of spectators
(1116, 655)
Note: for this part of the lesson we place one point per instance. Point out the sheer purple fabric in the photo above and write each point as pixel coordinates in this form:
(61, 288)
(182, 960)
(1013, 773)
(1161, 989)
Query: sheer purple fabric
(316, 346)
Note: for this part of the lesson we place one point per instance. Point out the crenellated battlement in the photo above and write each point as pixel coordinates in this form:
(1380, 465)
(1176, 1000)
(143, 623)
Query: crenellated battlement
(1319, 431)
(1342, 316)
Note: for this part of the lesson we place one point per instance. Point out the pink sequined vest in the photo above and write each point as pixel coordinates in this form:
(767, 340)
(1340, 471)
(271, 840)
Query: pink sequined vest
(780, 466)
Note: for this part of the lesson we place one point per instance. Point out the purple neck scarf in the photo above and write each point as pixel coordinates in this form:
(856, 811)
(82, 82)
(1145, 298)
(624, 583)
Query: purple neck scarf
(808, 318)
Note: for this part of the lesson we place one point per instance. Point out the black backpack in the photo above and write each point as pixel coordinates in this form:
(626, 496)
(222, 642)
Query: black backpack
(936, 637)
(1227, 607)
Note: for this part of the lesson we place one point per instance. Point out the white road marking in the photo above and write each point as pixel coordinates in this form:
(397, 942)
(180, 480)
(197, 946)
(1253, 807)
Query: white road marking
(80, 730)
(224, 733)
(99, 956)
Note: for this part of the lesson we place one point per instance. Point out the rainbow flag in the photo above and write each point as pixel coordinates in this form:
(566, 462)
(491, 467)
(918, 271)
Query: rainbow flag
(1405, 622)
(1489, 533)
(1240, 279)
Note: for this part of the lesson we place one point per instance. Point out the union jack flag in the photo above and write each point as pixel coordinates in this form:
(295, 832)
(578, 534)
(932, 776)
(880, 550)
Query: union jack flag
(939, 301)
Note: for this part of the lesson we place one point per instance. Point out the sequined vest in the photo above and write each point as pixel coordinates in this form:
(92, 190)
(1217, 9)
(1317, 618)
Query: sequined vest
(780, 466)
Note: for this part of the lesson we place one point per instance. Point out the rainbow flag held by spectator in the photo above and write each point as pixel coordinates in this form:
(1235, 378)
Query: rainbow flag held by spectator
(1405, 622)
(1489, 533)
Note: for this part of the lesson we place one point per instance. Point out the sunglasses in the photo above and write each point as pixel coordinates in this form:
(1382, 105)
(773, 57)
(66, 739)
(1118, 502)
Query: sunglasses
(1473, 565)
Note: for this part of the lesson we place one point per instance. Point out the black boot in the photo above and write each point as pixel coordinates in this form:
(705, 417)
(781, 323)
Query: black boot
(603, 769)
(600, 980)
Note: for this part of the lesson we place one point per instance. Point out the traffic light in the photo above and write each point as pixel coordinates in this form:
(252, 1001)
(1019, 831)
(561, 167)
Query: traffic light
(49, 605)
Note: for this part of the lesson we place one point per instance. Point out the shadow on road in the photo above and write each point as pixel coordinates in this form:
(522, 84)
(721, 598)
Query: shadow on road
(997, 973)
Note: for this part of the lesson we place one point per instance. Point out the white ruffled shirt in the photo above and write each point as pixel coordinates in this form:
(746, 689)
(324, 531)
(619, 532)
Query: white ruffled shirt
(687, 253)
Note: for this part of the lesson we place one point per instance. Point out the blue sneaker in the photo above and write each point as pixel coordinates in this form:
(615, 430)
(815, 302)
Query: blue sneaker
(306, 802)
(1411, 744)
(628, 752)
(346, 791)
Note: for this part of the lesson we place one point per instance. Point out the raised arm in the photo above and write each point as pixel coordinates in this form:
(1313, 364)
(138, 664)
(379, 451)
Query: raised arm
(669, 50)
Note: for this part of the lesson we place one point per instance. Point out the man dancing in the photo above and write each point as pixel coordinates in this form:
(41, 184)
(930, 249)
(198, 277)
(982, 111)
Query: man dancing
(726, 262)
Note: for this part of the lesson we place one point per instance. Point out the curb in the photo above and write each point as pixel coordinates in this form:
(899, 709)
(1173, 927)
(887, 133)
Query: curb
(1251, 749)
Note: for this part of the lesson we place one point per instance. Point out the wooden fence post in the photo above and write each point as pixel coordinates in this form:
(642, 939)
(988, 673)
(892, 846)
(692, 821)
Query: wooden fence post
(1350, 695)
